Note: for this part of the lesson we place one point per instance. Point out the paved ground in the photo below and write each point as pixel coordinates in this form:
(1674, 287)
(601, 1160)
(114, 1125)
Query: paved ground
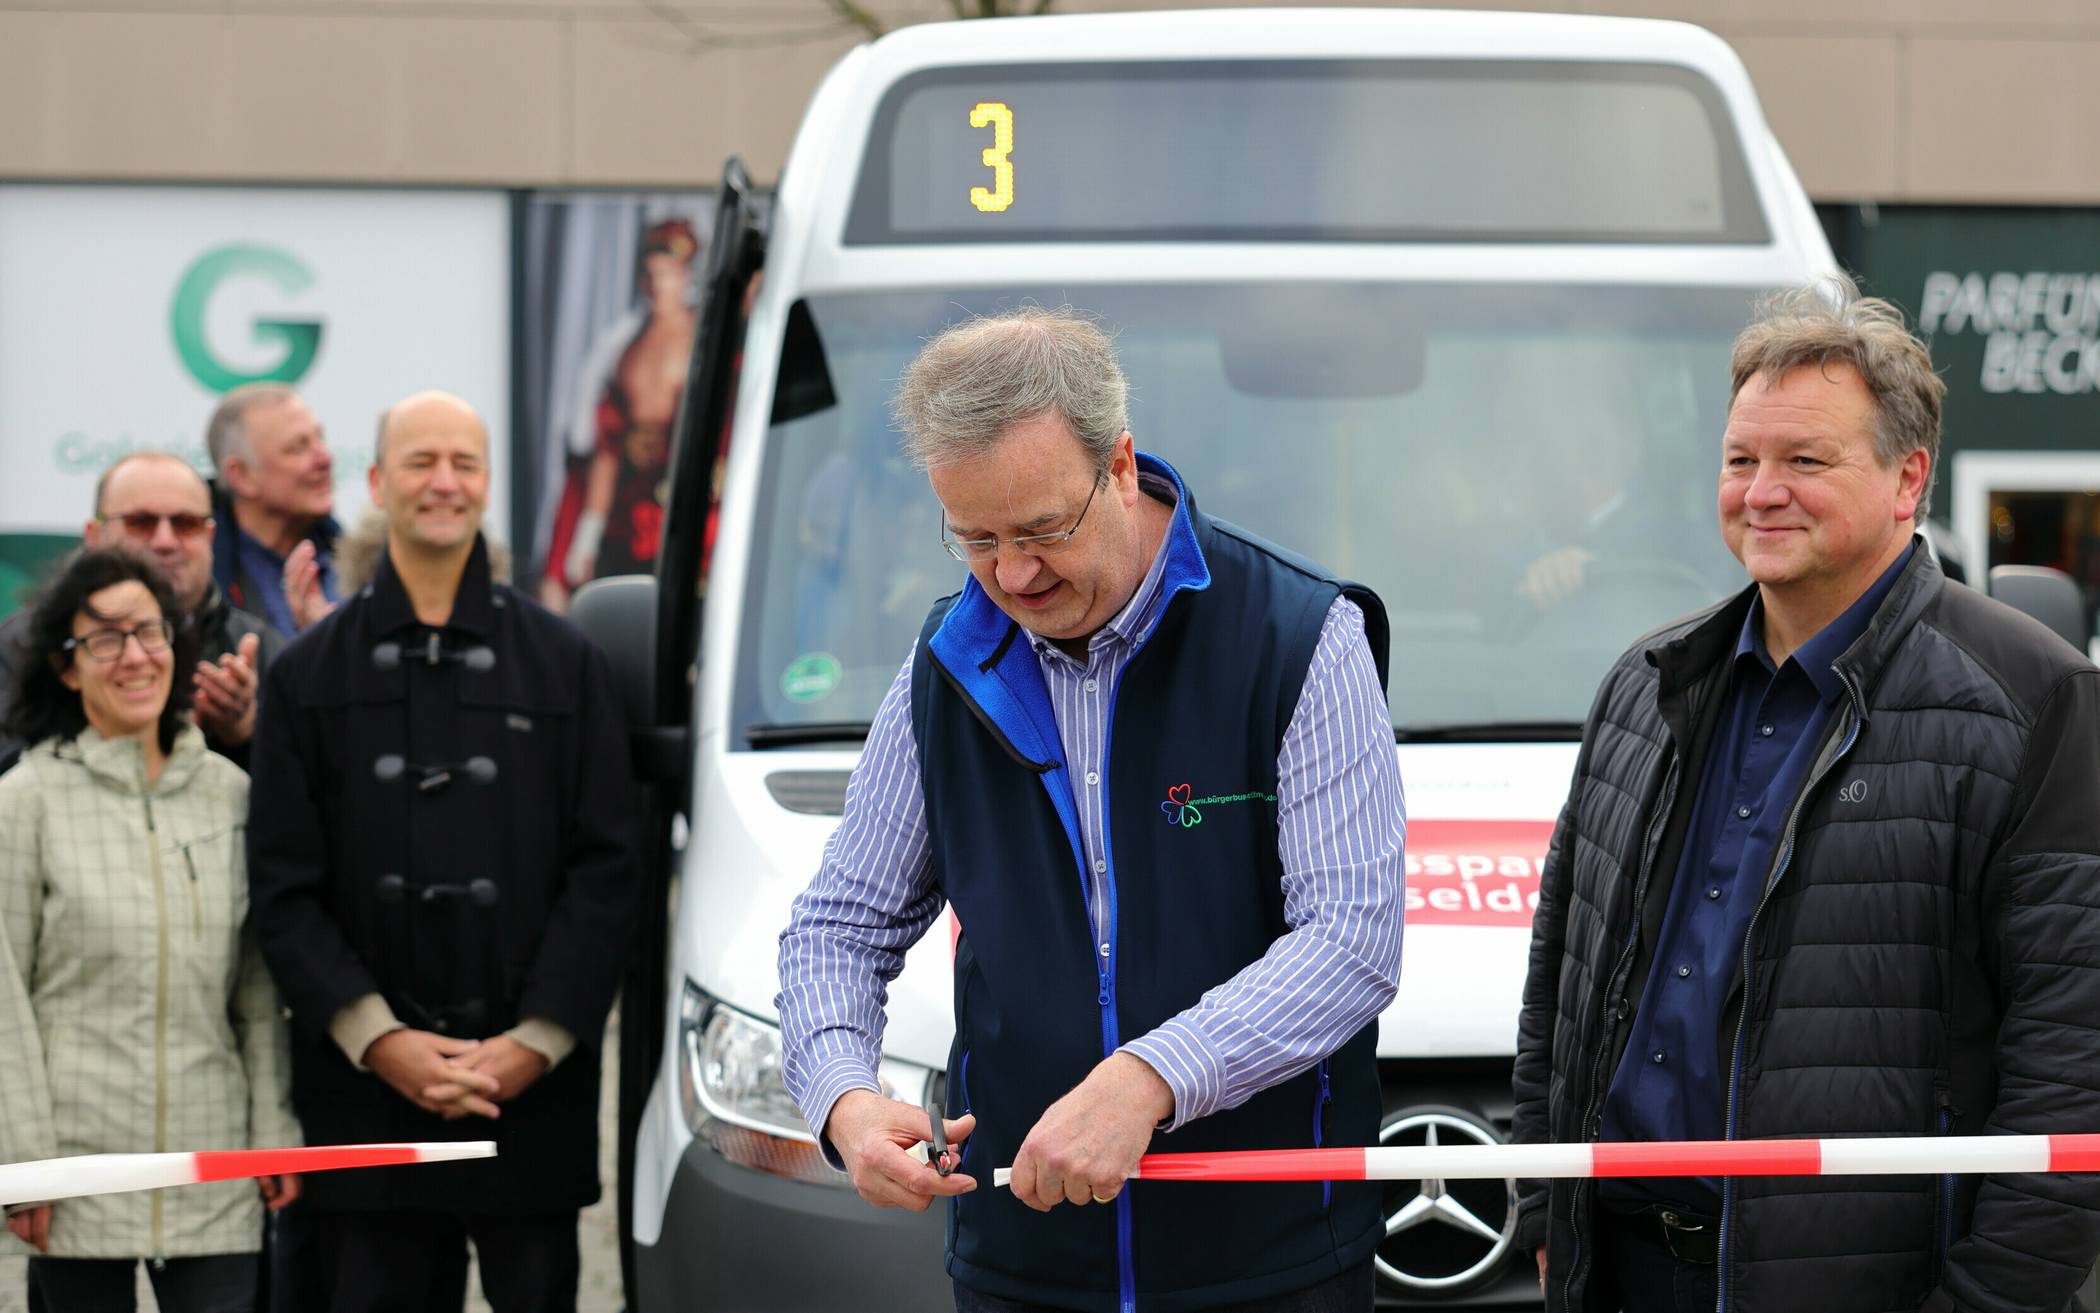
(600, 1292)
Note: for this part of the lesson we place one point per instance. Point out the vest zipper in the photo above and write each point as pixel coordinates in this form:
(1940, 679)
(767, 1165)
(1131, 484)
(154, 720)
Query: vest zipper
(998, 735)
(1320, 1130)
(1104, 888)
(1592, 1117)
(1780, 862)
(160, 1019)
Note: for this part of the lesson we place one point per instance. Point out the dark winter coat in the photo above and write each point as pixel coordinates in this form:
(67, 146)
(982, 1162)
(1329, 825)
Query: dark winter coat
(455, 835)
(1926, 961)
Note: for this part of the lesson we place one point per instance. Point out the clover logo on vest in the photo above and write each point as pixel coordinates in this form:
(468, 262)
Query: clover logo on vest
(1186, 812)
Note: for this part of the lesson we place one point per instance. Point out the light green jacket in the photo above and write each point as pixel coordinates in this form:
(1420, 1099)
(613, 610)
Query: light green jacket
(135, 1012)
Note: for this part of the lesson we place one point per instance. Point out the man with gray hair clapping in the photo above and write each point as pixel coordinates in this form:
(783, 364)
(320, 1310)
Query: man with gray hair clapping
(277, 503)
(1147, 760)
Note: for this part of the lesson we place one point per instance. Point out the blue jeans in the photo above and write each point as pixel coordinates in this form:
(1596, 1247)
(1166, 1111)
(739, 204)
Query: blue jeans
(1348, 1293)
(220, 1283)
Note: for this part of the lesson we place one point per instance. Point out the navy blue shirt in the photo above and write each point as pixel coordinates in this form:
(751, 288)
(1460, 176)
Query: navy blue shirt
(1672, 1082)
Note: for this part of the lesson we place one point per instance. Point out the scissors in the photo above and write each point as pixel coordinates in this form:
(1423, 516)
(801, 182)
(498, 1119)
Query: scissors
(935, 1151)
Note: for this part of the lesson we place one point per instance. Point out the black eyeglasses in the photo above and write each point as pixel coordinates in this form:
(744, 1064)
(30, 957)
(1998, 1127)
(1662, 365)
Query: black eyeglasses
(144, 524)
(108, 644)
(1034, 544)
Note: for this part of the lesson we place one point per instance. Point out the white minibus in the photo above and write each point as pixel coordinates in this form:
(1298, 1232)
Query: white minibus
(1440, 300)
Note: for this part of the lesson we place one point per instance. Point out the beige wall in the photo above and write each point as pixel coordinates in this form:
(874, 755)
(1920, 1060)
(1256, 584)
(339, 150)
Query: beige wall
(1927, 100)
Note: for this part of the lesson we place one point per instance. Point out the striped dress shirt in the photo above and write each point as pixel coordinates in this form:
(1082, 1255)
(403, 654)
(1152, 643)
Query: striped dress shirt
(1341, 831)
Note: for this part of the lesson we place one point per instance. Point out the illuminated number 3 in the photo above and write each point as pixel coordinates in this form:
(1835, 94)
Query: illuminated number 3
(996, 116)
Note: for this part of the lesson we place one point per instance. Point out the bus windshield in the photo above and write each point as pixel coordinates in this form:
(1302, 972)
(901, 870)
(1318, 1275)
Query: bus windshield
(1525, 474)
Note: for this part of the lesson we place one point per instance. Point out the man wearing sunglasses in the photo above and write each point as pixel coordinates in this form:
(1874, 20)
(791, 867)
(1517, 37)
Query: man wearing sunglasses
(157, 505)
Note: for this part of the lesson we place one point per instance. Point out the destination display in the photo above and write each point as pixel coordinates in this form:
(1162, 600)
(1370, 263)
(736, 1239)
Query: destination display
(1510, 151)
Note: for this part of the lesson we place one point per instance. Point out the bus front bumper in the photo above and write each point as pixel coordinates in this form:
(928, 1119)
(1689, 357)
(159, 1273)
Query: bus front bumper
(740, 1241)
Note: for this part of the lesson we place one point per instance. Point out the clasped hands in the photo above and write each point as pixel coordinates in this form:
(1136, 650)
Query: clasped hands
(1082, 1150)
(455, 1078)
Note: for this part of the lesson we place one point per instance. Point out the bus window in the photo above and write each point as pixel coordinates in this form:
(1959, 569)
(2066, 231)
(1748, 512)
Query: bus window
(1513, 423)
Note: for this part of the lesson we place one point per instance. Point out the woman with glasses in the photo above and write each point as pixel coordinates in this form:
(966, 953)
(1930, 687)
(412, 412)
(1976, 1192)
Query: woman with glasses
(135, 1012)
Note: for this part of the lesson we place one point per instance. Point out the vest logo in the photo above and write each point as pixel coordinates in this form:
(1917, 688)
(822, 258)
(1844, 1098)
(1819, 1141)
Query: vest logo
(1854, 792)
(299, 340)
(1186, 812)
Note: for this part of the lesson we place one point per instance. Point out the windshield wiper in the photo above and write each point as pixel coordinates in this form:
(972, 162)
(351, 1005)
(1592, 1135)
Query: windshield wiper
(1491, 731)
(815, 731)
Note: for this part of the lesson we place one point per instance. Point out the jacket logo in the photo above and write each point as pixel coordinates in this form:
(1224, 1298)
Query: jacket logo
(1854, 792)
(522, 724)
(1186, 812)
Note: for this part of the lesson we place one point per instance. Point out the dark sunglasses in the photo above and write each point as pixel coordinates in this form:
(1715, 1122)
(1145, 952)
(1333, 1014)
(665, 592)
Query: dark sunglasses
(144, 524)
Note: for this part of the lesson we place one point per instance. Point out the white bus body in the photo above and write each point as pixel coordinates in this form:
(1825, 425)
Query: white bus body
(1587, 330)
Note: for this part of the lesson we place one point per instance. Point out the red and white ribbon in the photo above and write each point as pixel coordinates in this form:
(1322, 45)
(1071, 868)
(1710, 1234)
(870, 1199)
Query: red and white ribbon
(115, 1173)
(1896, 1156)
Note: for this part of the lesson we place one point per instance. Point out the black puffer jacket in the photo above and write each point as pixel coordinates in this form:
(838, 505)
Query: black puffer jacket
(1926, 962)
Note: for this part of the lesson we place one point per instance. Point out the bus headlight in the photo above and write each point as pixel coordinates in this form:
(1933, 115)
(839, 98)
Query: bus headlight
(734, 1099)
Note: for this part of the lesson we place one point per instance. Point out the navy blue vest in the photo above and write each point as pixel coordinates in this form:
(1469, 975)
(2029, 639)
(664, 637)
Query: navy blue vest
(1203, 705)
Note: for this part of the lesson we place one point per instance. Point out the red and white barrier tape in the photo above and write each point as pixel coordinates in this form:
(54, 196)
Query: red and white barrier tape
(1906, 1156)
(115, 1173)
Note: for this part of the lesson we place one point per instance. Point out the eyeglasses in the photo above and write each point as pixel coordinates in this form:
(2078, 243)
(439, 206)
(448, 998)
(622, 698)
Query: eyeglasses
(144, 524)
(108, 644)
(1034, 544)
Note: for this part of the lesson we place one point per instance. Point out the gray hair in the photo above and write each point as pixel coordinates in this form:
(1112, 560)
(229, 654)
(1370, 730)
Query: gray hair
(978, 379)
(1828, 322)
(226, 436)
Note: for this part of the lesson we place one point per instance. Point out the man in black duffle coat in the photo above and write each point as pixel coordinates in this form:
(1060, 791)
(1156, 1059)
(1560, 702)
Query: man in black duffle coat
(444, 886)
(1830, 866)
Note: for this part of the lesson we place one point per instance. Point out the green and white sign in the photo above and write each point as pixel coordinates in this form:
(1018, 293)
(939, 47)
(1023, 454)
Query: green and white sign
(2010, 299)
(187, 322)
(811, 676)
(126, 311)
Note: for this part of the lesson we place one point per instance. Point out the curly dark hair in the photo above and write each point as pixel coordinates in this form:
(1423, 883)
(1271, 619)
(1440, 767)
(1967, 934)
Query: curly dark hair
(42, 706)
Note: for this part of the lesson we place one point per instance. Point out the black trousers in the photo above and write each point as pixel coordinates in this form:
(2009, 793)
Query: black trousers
(1633, 1270)
(1348, 1293)
(298, 1262)
(416, 1262)
(220, 1283)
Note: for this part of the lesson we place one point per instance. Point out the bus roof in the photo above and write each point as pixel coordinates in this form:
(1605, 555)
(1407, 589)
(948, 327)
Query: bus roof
(1304, 33)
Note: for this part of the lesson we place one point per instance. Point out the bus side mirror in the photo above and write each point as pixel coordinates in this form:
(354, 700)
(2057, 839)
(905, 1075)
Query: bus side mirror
(619, 615)
(2049, 595)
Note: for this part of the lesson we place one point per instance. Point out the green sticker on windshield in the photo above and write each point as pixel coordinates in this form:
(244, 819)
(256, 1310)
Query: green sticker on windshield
(810, 676)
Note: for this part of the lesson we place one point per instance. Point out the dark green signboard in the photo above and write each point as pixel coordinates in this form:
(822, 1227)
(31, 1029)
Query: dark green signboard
(2010, 299)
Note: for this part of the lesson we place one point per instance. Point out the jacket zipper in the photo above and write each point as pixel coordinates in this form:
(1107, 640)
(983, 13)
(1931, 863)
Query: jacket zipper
(1592, 1118)
(160, 1020)
(1946, 1212)
(1780, 862)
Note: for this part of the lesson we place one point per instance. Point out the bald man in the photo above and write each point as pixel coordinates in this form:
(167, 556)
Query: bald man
(155, 503)
(443, 884)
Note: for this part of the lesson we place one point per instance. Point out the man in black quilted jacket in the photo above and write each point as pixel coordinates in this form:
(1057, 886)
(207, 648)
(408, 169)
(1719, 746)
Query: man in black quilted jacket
(1830, 866)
